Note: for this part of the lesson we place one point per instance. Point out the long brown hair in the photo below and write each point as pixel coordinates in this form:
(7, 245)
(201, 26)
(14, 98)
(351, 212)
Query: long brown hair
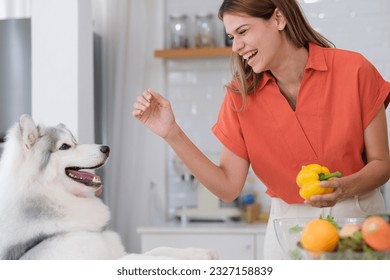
(297, 29)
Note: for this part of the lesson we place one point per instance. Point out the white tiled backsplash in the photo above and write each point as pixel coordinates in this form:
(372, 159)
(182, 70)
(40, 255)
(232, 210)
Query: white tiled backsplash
(196, 86)
(195, 89)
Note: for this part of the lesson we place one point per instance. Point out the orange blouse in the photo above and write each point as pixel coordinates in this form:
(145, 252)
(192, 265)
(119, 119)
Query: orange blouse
(340, 94)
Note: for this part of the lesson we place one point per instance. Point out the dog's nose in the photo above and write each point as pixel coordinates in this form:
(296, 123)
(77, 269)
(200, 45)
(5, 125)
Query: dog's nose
(105, 149)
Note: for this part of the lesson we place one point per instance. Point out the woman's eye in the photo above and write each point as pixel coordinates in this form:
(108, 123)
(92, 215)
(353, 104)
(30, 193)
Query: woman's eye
(230, 38)
(65, 147)
(242, 32)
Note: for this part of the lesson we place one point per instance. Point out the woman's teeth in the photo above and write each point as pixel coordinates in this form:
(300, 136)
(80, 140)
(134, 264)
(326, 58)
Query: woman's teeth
(248, 55)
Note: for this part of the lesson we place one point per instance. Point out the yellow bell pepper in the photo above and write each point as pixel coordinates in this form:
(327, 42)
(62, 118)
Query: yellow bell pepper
(309, 178)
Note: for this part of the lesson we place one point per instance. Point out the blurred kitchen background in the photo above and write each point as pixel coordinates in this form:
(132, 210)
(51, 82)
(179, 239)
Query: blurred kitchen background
(83, 62)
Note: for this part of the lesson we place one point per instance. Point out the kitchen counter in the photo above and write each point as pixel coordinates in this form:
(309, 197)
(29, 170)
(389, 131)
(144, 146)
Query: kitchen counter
(205, 227)
(231, 240)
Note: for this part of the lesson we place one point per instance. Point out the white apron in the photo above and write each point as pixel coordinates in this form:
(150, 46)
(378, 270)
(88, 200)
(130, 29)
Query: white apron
(357, 207)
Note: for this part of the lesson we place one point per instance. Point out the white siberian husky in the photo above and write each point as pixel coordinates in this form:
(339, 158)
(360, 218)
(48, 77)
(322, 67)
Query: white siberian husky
(48, 207)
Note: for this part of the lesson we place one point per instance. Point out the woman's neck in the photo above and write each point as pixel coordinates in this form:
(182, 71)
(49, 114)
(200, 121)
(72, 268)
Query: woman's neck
(289, 73)
(291, 65)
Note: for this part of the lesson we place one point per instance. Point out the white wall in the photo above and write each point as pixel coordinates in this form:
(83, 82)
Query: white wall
(15, 9)
(62, 70)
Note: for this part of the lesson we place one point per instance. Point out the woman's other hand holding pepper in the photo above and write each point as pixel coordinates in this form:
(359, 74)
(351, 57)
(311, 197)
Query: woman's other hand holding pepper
(329, 199)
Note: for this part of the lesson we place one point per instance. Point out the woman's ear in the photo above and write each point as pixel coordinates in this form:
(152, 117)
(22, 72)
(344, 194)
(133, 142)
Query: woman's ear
(280, 20)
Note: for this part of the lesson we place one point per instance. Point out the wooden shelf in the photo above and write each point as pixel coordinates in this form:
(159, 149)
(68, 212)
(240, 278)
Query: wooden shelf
(193, 53)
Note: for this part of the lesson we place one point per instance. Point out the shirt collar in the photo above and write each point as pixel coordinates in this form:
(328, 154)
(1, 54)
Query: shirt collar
(316, 61)
(264, 80)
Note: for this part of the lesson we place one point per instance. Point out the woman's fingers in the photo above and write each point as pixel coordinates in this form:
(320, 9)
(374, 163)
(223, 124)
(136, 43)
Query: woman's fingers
(147, 94)
(142, 103)
(137, 113)
(329, 199)
(139, 108)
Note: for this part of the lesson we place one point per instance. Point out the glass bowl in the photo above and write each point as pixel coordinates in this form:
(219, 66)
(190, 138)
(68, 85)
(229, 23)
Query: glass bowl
(288, 232)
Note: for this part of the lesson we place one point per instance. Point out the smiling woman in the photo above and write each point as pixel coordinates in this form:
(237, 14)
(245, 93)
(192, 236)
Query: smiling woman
(294, 100)
(297, 31)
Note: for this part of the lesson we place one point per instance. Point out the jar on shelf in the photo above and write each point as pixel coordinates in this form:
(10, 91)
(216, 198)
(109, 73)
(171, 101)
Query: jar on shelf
(204, 32)
(178, 31)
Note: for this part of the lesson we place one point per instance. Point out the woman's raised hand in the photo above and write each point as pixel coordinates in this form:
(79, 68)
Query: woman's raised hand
(155, 112)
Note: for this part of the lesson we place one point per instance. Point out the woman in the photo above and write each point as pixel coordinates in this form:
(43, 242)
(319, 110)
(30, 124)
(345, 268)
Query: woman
(294, 100)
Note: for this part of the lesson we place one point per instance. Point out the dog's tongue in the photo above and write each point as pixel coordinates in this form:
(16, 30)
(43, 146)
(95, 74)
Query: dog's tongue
(99, 190)
(86, 178)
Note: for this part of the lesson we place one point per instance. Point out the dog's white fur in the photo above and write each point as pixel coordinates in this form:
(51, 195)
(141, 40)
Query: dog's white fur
(44, 214)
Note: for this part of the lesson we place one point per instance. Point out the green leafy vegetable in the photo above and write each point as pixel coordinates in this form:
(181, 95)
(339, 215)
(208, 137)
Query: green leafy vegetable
(295, 229)
(331, 220)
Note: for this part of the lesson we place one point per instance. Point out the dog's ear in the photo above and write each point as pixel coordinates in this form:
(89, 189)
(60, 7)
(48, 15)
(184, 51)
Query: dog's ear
(28, 130)
(41, 130)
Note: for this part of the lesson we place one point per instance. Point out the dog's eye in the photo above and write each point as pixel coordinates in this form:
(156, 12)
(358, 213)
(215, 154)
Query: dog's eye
(65, 147)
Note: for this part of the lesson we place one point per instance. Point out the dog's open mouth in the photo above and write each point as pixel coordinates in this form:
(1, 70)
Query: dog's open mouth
(83, 177)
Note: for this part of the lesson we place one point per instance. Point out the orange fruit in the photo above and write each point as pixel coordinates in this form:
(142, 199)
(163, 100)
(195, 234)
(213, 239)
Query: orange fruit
(376, 233)
(319, 236)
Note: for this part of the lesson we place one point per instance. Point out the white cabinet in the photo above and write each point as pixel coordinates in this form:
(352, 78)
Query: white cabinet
(231, 241)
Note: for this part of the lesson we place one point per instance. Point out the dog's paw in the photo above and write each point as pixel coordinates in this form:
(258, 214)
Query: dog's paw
(201, 254)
